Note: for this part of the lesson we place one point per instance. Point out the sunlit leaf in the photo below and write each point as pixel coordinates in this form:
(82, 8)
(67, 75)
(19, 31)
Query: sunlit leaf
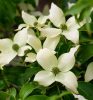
(6, 96)
(26, 90)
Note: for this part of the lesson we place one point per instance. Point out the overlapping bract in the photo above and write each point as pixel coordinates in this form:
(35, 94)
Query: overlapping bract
(64, 64)
(44, 51)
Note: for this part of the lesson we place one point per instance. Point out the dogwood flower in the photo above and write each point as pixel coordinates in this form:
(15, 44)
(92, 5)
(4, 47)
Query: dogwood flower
(57, 70)
(36, 44)
(89, 73)
(67, 28)
(32, 21)
(9, 49)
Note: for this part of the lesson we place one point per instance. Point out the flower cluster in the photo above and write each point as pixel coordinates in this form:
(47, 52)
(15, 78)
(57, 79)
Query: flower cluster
(42, 35)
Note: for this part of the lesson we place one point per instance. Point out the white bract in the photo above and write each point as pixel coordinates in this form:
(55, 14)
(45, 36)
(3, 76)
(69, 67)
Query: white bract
(6, 52)
(36, 44)
(20, 40)
(9, 49)
(67, 28)
(57, 70)
(32, 21)
(89, 73)
(79, 97)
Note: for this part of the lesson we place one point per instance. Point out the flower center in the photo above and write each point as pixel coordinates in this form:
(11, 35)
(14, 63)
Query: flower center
(35, 24)
(0, 51)
(15, 47)
(55, 70)
(64, 27)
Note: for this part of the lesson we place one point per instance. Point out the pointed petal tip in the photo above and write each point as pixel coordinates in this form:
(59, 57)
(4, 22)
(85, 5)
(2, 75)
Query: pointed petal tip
(74, 49)
(69, 80)
(53, 4)
(56, 15)
(23, 13)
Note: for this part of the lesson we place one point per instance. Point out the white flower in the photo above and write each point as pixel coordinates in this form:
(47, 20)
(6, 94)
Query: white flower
(89, 73)
(32, 21)
(79, 97)
(6, 52)
(36, 44)
(9, 49)
(67, 28)
(57, 70)
(20, 40)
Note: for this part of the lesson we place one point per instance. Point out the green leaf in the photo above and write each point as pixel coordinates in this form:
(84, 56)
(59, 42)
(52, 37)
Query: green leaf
(75, 9)
(29, 72)
(92, 16)
(87, 28)
(12, 91)
(38, 97)
(7, 12)
(86, 90)
(54, 97)
(2, 84)
(5, 96)
(85, 53)
(84, 37)
(26, 90)
(13, 73)
(79, 6)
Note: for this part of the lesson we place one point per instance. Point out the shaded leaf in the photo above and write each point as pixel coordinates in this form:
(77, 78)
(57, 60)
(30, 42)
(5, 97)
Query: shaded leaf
(29, 72)
(7, 12)
(38, 97)
(2, 84)
(86, 90)
(85, 53)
